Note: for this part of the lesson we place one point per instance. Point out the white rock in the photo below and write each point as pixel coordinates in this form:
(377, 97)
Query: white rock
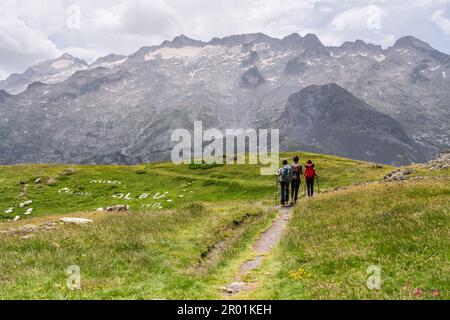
(76, 220)
(26, 203)
(10, 210)
(28, 211)
(17, 218)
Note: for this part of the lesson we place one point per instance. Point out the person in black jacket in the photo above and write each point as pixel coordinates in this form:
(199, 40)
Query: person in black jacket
(297, 172)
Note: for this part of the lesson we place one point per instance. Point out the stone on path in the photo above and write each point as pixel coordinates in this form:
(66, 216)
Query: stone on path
(235, 287)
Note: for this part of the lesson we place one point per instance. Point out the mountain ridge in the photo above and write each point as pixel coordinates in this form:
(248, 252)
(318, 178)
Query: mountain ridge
(239, 81)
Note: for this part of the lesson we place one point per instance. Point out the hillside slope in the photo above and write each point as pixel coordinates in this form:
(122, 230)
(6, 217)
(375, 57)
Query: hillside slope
(189, 242)
(401, 227)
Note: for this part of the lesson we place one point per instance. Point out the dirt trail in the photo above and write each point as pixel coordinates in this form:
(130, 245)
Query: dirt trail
(266, 242)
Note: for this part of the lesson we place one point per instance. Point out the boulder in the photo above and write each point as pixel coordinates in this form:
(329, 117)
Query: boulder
(115, 208)
(78, 221)
(235, 287)
(399, 174)
(441, 162)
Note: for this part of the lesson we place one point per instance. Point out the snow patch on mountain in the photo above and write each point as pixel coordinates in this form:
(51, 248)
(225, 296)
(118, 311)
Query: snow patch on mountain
(380, 58)
(109, 65)
(184, 53)
(61, 64)
(435, 68)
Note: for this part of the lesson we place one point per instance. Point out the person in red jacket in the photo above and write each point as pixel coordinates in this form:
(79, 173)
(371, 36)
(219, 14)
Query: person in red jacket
(310, 174)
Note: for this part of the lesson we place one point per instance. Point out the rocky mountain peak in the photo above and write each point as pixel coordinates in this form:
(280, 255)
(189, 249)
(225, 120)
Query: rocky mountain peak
(242, 39)
(411, 42)
(63, 59)
(67, 56)
(291, 42)
(312, 45)
(360, 45)
(182, 41)
(335, 120)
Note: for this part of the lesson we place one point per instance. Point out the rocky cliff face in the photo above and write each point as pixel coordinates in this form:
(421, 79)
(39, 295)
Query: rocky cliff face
(335, 121)
(123, 109)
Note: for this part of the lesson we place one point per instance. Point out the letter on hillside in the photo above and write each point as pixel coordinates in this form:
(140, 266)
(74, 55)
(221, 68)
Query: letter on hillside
(274, 158)
(240, 135)
(198, 142)
(214, 151)
(182, 152)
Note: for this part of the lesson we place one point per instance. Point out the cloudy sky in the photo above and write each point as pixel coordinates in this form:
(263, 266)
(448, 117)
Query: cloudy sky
(36, 30)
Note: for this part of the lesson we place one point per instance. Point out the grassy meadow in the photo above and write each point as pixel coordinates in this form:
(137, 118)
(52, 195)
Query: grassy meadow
(401, 227)
(190, 227)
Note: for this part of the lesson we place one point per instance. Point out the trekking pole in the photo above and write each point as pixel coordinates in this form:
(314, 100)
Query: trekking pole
(318, 185)
(276, 190)
(306, 187)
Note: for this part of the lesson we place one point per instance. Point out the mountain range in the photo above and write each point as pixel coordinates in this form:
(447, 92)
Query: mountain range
(357, 100)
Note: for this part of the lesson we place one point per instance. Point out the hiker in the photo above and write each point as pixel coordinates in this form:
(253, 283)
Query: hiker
(285, 173)
(297, 171)
(310, 174)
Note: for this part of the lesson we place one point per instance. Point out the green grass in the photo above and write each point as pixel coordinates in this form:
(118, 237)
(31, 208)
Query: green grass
(210, 183)
(401, 227)
(195, 244)
(149, 255)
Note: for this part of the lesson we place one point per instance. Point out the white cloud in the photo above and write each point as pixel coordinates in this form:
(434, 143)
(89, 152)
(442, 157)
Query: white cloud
(20, 44)
(441, 21)
(31, 31)
(359, 17)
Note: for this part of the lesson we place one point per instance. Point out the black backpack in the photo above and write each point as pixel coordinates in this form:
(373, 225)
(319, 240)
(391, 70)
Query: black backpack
(296, 172)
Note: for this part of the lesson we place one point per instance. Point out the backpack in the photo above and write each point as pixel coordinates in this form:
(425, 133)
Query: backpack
(286, 174)
(310, 172)
(296, 172)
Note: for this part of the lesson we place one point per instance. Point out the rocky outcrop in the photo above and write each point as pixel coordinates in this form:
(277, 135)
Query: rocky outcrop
(337, 122)
(252, 79)
(441, 162)
(117, 208)
(399, 174)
